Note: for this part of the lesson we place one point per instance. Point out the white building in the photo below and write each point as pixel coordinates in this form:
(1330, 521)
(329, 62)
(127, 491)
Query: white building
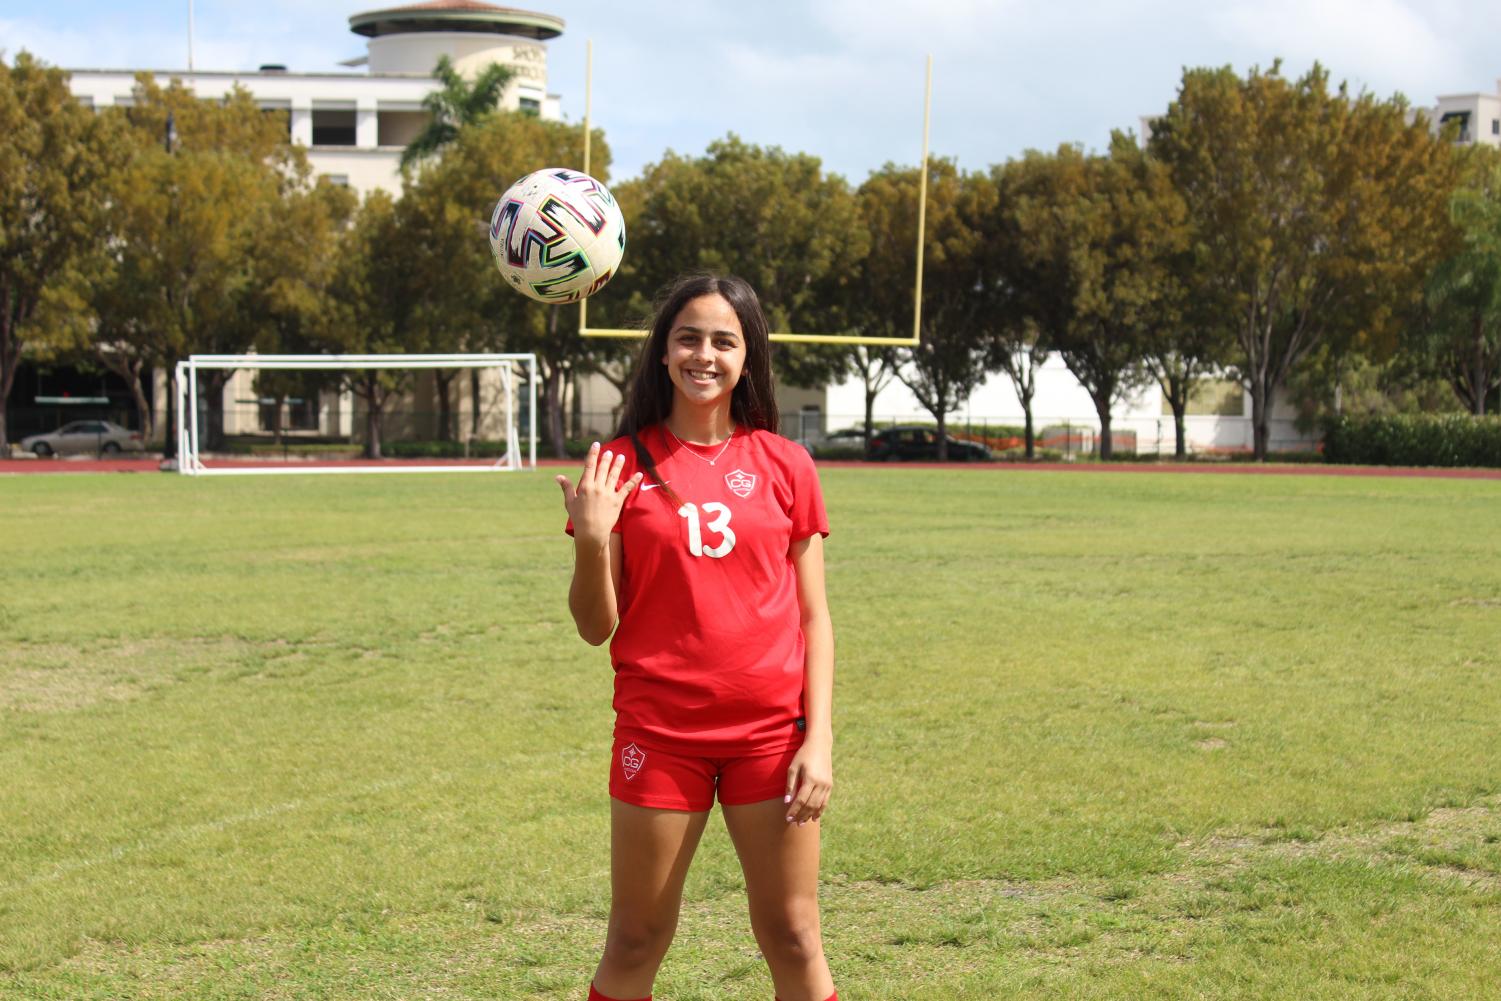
(1218, 420)
(1477, 115)
(355, 125)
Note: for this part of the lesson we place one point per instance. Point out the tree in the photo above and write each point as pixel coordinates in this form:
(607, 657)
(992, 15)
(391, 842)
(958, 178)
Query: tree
(370, 309)
(877, 367)
(949, 361)
(1024, 302)
(184, 214)
(450, 275)
(54, 158)
(1179, 355)
(1128, 297)
(455, 105)
(284, 306)
(775, 219)
(454, 197)
(1461, 340)
(1096, 235)
(1315, 214)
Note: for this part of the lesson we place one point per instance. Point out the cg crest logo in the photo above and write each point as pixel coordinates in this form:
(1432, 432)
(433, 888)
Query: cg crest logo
(631, 760)
(740, 482)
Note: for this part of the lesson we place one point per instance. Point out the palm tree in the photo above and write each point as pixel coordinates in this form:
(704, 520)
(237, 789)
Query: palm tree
(457, 104)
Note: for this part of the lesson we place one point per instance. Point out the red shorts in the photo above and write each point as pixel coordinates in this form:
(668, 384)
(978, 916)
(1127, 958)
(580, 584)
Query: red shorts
(664, 781)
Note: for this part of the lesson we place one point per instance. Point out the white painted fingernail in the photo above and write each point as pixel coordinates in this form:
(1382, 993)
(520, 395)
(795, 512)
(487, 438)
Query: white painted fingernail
(787, 799)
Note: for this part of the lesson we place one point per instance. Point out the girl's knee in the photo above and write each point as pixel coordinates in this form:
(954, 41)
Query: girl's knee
(634, 942)
(790, 938)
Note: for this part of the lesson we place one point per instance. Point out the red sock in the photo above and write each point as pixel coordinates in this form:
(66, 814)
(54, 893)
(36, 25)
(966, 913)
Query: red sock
(595, 995)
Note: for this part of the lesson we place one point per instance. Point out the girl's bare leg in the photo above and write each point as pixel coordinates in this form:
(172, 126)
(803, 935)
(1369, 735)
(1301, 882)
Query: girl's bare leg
(780, 861)
(649, 855)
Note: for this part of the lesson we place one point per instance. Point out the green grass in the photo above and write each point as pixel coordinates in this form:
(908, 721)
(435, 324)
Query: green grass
(1103, 736)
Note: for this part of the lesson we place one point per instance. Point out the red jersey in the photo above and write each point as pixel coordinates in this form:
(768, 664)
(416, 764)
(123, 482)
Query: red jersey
(708, 654)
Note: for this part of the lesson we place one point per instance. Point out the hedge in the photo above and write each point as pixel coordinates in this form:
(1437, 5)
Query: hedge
(478, 449)
(1414, 440)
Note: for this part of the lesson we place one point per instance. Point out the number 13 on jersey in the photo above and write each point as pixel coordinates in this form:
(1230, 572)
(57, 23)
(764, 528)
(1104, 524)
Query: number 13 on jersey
(719, 525)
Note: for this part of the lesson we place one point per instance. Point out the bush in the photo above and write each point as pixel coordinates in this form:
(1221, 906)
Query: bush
(299, 447)
(442, 449)
(1303, 458)
(1019, 454)
(1414, 440)
(839, 453)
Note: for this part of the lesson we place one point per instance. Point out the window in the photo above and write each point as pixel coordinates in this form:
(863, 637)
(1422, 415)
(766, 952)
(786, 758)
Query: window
(267, 407)
(398, 128)
(1496, 126)
(1462, 118)
(338, 180)
(333, 128)
(530, 106)
(302, 413)
(298, 414)
(280, 109)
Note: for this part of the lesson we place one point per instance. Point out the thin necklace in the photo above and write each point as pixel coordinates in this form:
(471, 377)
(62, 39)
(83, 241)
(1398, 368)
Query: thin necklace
(691, 452)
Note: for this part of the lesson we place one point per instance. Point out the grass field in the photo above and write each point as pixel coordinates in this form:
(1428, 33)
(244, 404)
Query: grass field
(1097, 736)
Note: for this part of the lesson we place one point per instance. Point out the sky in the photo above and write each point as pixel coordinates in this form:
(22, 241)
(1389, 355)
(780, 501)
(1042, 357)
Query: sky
(841, 79)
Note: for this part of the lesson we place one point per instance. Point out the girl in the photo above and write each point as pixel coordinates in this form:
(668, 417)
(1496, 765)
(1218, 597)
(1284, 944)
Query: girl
(698, 541)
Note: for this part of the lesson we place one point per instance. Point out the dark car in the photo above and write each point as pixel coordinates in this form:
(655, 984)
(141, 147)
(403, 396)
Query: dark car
(921, 444)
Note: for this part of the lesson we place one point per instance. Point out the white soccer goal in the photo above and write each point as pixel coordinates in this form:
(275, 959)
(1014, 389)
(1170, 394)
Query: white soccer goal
(511, 401)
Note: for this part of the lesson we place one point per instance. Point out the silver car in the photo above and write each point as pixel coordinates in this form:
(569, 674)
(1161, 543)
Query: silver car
(84, 437)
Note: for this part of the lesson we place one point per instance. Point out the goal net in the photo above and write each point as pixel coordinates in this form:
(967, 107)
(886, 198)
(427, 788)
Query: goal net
(257, 414)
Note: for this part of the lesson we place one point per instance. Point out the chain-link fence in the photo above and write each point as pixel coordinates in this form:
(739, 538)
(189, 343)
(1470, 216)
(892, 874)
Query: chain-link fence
(342, 425)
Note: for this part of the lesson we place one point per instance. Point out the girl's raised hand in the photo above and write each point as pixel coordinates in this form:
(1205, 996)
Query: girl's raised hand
(594, 505)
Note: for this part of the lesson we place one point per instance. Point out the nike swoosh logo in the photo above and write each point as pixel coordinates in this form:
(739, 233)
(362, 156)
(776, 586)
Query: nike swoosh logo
(653, 486)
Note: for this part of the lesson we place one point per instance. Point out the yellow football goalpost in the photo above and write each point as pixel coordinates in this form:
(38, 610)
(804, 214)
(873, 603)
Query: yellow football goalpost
(922, 213)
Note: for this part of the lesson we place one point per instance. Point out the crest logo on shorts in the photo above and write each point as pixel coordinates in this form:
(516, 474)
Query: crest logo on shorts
(631, 760)
(740, 482)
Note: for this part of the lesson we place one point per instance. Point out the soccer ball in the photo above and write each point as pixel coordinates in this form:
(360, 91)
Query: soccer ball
(557, 235)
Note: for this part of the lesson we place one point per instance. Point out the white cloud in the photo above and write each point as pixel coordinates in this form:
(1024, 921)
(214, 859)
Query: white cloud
(1386, 44)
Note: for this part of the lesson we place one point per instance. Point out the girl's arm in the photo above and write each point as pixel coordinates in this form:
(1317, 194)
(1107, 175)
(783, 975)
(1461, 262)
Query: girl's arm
(594, 595)
(594, 507)
(810, 779)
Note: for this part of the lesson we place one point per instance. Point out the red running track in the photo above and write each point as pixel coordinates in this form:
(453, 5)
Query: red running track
(1231, 468)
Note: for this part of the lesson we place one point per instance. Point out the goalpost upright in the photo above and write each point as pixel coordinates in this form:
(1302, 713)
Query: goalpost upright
(188, 450)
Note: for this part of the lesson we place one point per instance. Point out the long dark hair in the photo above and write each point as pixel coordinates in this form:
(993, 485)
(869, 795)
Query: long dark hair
(648, 400)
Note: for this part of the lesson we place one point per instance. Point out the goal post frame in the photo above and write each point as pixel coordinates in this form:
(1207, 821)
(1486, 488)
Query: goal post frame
(190, 463)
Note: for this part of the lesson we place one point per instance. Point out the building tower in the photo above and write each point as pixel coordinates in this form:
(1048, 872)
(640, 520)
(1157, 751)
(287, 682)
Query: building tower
(409, 40)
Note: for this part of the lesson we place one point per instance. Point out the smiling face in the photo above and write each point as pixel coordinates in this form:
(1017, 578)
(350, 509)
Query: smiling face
(705, 351)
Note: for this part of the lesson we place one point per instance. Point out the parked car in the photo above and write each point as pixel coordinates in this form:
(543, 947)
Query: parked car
(921, 444)
(83, 437)
(849, 438)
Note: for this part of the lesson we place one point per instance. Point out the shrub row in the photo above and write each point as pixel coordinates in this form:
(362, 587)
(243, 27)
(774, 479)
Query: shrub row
(478, 449)
(1414, 440)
